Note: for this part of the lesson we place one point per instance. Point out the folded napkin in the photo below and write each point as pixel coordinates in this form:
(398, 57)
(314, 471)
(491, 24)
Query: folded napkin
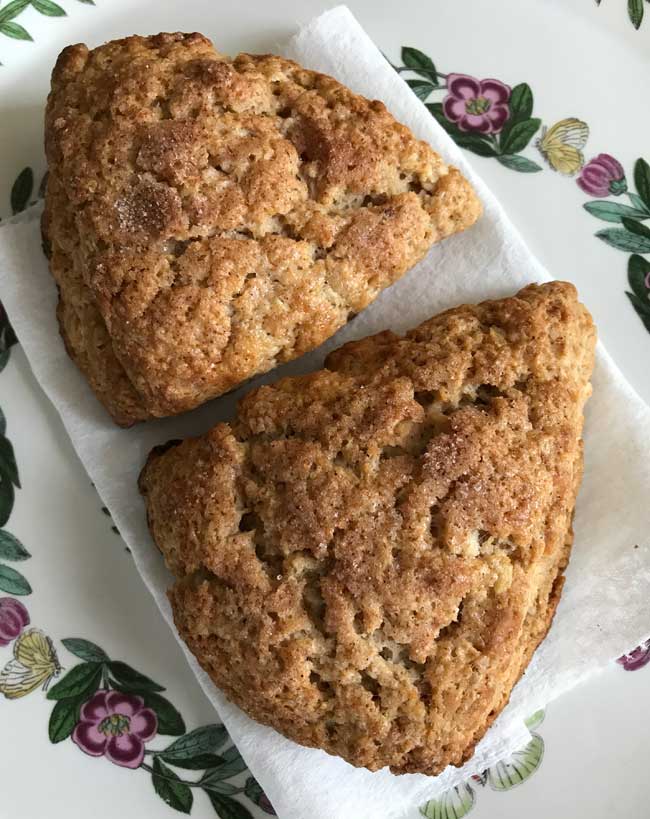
(605, 609)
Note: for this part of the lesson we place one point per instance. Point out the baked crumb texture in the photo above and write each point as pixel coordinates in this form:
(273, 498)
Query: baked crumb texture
(209, 218)
(368, 556)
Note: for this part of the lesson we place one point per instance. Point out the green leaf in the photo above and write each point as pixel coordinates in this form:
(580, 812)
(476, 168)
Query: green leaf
(224, 788)
(636, 227)
(521, 765)
(21, 190)
(88, 2)
(13, 582)
(228, 808)
(476, 144)
(4, 358)
(637, 271)
(453, 804)
(418, 62)
(436, 110)
(170, 789)
(233, 764)
(3, 422)
(63, 718)
(535, 720)
(8, 466)
(7, 335)
(639, 263)
(421, 88)
(516, 162)
(613, 211)
(253, 790)
(641, 309)
(11, 548)
(81, 680)
(170, 721)
(203, 740)
(521, 108)
(635, 12)
(48, 8)
(13, 9)
(642, 180)
(85, 650)
(638, 203)
(6, 499)
(519, 135)
(15, 31)
(201, 762)
(624, 240)
(130, 681)
(521, 102)
(641, 305)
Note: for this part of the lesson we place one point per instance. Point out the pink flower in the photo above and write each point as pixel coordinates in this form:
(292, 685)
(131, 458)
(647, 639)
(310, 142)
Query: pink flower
(13, 619)
(476, 105)
(637, 658)
(115, 725)
(603, 175)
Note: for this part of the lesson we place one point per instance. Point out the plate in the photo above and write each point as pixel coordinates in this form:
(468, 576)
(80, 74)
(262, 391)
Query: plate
(568, 165)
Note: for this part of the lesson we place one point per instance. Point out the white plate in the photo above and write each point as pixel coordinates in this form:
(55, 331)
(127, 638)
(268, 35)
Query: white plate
(580, 60)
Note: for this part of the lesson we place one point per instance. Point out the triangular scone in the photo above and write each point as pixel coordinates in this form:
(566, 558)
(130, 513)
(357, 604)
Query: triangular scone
(368, 556)
(208, 218)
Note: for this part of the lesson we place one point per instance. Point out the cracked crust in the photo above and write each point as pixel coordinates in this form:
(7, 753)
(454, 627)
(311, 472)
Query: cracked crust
(209, 218)
(368, 556)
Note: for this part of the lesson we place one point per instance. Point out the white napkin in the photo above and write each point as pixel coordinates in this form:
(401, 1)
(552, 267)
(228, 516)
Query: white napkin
(605, 609)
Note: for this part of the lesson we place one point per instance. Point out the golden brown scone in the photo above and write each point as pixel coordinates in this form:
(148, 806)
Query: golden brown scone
(209, 218)
(368, 556)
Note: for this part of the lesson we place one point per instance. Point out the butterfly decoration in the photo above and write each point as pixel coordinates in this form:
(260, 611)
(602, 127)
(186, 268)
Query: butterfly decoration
(35, 662)
(561, 145)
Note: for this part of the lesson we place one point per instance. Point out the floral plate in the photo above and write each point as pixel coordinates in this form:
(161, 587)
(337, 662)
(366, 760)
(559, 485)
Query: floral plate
(100, 715)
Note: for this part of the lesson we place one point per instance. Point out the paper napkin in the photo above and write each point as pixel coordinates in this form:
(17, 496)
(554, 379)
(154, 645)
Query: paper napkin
(605, 608)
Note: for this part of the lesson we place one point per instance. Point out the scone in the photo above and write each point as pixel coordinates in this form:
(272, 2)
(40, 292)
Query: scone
(367, 558)
(209, 218)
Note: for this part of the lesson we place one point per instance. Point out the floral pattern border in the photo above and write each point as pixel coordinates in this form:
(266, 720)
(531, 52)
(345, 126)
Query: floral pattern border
(635, 11)
(104, 706)
(495, 120)
(109, 709)
(8, 14)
